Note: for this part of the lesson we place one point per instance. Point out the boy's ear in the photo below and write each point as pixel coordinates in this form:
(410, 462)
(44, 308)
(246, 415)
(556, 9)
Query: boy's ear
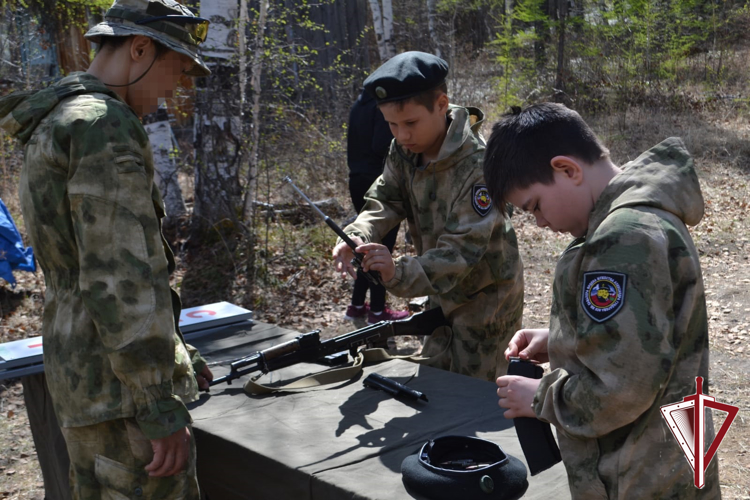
(140, 47)
(442, 103)
(568, 166)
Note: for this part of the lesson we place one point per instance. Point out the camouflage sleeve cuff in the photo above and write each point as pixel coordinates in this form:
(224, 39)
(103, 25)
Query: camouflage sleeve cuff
(353, 231)
(544, 398)
(196, 359)
(397, 277)
(161, 418)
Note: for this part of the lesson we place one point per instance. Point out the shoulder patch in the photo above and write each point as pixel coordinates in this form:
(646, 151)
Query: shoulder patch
(603, 294)
(481, 199)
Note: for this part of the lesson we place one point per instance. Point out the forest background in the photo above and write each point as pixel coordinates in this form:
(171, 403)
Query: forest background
(285, 75)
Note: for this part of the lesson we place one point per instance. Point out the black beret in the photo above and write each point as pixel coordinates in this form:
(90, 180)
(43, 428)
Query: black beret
(406, 75)
(466, 468)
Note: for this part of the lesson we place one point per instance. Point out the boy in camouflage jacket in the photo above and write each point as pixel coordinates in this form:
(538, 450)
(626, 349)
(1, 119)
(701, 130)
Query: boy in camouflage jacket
(467, 256)
(117, 368)
(628, 329)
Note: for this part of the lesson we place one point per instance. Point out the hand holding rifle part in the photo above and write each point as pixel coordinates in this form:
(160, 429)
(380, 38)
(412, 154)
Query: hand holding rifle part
(371, 276)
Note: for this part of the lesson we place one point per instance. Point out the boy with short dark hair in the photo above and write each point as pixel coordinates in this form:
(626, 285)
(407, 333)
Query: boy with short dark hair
(467, 256)
(628, 330)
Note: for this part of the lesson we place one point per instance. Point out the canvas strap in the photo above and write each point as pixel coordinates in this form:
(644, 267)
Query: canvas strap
(339, 375)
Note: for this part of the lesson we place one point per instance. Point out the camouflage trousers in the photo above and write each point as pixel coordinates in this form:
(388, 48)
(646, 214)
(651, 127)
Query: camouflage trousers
(107, 462)
(475, 344)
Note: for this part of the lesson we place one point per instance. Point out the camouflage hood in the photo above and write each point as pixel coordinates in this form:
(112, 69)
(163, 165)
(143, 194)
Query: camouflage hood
(663, 177)
(462, 139)
(21, 112)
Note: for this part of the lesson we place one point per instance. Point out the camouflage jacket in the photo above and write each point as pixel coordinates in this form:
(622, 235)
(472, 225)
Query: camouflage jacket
(629, 334)
(463, 245)
(92, 211)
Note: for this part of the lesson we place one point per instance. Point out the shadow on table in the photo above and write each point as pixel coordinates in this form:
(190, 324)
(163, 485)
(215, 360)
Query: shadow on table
(407, 434)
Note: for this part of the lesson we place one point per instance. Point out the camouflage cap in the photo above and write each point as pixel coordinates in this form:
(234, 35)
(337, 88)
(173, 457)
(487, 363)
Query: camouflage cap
(122, 19)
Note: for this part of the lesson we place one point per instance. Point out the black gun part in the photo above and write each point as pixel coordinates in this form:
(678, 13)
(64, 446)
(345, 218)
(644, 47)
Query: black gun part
(371, 276)
(395, 389)
(308, 348)
(537, 442)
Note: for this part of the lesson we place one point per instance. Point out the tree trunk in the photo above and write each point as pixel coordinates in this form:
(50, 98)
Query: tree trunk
(431, 19)
(242, 47)
(539, 45)
(377, 22)
(257, 69)
(72, 49)
(388, 28)
(212, 269)
(217, 123)
(562, 10)
(166, 175)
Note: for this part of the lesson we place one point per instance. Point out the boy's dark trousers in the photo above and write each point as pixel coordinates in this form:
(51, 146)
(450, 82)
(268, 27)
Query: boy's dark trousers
(358, 186)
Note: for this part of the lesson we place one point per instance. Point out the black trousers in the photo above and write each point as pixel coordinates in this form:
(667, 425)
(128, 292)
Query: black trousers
(52, 452)
(358, 186)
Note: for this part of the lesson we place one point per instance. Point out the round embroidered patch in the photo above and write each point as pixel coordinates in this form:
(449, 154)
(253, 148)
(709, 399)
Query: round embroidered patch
(481, 200)
(603, 294)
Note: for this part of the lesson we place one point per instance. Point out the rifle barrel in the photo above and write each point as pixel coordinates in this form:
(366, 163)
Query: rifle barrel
(291, 183)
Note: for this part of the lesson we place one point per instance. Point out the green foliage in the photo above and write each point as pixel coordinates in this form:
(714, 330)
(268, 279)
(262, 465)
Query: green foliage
(519, 31)
(53, 13)
(616, 49)
(304, 82)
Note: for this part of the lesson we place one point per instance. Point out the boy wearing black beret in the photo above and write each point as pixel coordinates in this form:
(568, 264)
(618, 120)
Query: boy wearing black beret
(467, 256)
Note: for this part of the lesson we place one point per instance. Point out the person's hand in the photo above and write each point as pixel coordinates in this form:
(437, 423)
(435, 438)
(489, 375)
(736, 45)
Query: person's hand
(378, 258)
(529, 345)
(517, 394)
(204, 378)
(170, 454)
(343, 256)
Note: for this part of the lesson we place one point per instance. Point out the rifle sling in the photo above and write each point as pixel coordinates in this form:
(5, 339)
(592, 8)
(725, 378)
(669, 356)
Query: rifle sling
(338, 375)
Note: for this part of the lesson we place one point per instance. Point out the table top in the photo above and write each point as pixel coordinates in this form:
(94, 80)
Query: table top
(339, 442)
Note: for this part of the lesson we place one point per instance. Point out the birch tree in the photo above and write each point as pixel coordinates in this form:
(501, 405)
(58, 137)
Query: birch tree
(217, 123)
(388, 28)
(431, 26)
(383, 25)
(162, 144)
(242, 49)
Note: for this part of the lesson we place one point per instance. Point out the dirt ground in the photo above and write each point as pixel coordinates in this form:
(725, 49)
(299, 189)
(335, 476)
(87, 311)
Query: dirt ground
(302, 292)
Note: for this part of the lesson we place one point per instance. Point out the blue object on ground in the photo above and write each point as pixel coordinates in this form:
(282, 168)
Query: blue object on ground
(13, 255)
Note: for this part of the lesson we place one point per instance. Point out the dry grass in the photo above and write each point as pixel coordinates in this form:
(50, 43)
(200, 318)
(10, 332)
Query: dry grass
(300, 290)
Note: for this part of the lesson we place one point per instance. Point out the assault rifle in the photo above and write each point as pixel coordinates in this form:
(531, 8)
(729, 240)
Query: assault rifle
(372, 276)
(308, 347)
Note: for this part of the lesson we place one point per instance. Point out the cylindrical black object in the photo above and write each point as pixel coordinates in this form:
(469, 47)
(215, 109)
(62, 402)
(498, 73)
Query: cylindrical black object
(537, 442)
(396, 389)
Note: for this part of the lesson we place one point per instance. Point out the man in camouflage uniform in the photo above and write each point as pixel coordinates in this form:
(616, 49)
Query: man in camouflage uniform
(117, 367)
(467, 255)
(628, 329)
